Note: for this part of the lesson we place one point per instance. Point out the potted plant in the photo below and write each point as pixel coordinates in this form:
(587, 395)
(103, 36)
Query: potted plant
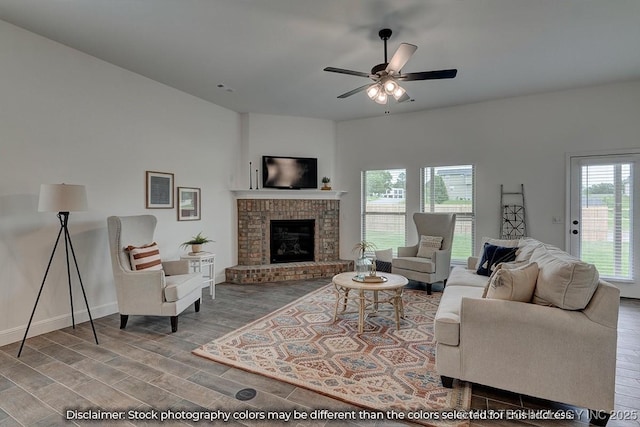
(196, 242)
(325, 183)
(364, 246)
(363, 264)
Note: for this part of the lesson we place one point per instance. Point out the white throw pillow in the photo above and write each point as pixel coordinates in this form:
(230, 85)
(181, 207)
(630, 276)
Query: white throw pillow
(385, 255)
(513, 284)
(145, 258)
(428, 245)
(509, 265)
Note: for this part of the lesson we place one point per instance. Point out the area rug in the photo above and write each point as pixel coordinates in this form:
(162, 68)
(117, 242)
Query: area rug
(383, 369)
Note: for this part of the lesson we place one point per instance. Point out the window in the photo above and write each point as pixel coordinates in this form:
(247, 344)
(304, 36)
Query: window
(451, 189)
(602, 207)
(384, 207)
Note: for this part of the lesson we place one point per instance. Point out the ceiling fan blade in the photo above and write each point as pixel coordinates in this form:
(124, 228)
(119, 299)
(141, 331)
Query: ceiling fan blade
(343, 71)
(402, 55)
(429, 75)
(354, 91)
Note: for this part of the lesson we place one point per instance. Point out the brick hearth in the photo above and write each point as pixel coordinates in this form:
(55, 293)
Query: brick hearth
(254, 216)
(245, 274)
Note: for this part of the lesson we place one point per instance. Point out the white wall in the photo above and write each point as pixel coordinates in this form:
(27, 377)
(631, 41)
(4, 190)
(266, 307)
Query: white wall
(68, 117)
(521, 140)
(269, 135)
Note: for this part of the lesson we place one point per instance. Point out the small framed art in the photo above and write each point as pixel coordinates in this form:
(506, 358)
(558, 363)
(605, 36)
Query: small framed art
(159, 190)
(188, 204)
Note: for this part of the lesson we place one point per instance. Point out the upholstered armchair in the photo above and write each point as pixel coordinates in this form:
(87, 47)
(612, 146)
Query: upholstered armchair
(429, 261)
(166, 289)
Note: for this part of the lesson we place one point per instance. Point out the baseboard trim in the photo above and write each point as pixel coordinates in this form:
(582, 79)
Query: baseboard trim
(12, 335)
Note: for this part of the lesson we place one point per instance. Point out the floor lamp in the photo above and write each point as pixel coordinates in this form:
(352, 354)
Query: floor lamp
(62, 198)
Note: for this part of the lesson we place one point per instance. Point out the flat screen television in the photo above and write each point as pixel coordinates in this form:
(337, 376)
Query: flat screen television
(289, 172)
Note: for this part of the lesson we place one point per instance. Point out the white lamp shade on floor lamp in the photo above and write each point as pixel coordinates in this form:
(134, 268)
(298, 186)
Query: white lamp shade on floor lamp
(62, 198)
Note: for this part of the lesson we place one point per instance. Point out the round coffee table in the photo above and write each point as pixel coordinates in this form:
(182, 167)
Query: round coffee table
(387, 292)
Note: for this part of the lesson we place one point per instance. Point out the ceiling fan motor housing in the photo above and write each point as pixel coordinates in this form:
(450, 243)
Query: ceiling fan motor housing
(385, 33)
(378, 68)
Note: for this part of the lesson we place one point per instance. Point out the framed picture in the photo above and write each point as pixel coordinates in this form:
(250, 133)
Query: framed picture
(159, 190)
(188, 204)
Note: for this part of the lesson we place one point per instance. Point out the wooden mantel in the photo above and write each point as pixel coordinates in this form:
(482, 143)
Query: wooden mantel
(271, 193)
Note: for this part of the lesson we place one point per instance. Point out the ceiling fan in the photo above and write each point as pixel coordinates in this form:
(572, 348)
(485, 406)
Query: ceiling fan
(386, 76)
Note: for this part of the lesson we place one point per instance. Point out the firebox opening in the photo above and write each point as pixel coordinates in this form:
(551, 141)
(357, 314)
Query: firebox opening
(292, 240)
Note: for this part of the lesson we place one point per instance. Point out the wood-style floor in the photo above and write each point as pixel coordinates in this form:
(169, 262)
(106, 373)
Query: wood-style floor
(146, 366)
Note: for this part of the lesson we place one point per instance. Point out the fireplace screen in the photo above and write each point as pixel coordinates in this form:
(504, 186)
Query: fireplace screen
(292, 240)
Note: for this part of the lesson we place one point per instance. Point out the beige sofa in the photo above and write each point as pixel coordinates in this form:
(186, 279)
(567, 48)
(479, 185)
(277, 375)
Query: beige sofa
(560, 347)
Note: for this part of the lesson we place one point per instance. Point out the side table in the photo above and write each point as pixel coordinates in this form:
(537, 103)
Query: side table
(205, 263)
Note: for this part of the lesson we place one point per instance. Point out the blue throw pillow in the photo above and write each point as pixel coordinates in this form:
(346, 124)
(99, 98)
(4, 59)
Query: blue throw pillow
(493, 255)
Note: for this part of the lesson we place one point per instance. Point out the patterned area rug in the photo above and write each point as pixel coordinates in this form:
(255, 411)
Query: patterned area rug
(383, 369)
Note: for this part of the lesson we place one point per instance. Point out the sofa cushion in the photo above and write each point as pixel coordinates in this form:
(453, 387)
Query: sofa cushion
(494, 255)
(447, 321)
(144, 258)
(428, 245)
(461, 276)
(422, 265)
(563, 280)
(526, 248)
(178, 287)
(513, 283)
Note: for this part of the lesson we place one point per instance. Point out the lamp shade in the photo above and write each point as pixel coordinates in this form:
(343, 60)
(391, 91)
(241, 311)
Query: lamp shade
(62, 198)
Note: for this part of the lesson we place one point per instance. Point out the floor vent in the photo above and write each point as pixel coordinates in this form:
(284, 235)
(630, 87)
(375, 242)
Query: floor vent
(246, 394)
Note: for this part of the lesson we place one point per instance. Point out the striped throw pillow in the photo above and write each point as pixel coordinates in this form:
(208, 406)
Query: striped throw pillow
(145, 257)
(428, 245)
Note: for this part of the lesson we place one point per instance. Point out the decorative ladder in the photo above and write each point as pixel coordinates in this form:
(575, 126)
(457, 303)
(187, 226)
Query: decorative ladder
(513, 224)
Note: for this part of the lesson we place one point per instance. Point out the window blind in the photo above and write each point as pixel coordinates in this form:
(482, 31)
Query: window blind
(606, 231)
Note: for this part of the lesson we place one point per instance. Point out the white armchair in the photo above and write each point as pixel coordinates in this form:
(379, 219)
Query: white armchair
(435, 268)
(165, 292)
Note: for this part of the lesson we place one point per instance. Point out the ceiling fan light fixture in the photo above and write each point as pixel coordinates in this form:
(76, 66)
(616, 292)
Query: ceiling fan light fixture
(381, 98)
(387, 75)
(390, 85)
(399, 92)
(373, 91)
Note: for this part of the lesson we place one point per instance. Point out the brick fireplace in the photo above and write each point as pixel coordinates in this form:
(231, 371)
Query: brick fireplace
(254, 229)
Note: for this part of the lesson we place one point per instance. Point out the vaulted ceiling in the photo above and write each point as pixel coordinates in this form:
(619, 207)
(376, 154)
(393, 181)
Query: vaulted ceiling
(268, 55)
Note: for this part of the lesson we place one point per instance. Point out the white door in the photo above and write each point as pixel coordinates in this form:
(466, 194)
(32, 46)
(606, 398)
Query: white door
(603, 225)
